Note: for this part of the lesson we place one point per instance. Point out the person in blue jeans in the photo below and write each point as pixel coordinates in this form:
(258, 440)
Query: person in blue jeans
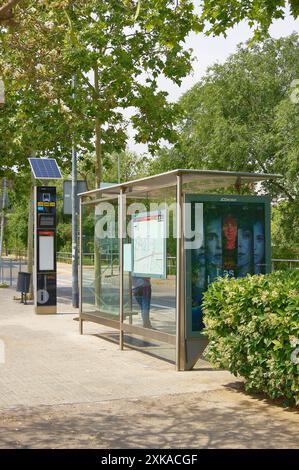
(142, 291)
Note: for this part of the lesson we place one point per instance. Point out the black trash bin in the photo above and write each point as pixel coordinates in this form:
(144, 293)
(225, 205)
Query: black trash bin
(23, 285)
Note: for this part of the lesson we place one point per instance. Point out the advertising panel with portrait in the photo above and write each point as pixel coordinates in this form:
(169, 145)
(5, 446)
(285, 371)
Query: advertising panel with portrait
(233, 245)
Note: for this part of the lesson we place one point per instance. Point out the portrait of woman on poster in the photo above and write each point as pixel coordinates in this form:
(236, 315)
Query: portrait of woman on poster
(259, 247)
(198, 287)
(199, 264)
(230, 231)
(213, 244)
(245, 249)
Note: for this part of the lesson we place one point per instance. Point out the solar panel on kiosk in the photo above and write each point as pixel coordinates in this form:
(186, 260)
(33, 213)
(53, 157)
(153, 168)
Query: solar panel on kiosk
(45, 168)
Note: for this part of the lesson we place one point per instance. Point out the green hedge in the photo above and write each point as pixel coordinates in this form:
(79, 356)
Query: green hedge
(253, 327)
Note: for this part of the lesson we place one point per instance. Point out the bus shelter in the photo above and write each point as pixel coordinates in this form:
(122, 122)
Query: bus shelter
(150, 248)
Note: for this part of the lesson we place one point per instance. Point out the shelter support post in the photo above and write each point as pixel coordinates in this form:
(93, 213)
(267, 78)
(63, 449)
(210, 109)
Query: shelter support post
(121, 229)
(80, 269)
(180, 281)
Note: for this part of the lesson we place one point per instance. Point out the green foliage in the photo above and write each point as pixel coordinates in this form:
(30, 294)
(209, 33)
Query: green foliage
(130, 44)
(132, 166)
(16, 228)
(218, 16)
(64, 237)
(285, 230)
(115, 41)
(253, 325)
(30, 123)
(240, 117)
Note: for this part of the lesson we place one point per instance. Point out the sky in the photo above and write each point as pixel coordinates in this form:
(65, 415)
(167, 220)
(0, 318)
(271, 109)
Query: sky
(210, 50)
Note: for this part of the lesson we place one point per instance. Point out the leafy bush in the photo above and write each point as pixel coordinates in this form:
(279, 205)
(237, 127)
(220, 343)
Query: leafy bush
(253, 328)
(64, 237)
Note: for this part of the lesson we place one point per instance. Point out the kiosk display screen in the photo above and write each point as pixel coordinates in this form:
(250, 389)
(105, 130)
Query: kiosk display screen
(232, 243)
(46, 220)
(46, 252)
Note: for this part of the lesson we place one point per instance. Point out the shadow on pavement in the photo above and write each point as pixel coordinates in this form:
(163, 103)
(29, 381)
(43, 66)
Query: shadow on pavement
(181, 421)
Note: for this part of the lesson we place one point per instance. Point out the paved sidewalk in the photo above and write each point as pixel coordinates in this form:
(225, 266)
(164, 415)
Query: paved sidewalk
(60, 389)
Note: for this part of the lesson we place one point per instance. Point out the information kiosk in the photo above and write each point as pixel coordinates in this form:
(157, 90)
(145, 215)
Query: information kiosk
(44, 273)
(45, 250)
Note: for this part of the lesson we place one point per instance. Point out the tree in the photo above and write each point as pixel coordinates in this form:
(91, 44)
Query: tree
(31, 123)
(126, 45)
(286, 212)
(17, 220)
(116, 58)
(131, 166)
(240, 117)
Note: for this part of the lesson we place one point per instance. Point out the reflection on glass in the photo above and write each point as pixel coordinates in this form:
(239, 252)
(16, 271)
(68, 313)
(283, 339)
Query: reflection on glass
(142, 291)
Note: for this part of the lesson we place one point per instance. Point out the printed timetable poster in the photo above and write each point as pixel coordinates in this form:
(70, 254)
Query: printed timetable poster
(149, 244)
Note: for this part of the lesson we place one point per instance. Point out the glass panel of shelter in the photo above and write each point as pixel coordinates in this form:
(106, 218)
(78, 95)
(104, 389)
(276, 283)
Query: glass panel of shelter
(149, 299)
(100, 259)
(150, 270)
(87, 259)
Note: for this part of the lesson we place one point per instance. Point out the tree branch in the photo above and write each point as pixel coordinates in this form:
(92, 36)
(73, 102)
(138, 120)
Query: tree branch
(6, 10)
(276, 183)
(87, 82)
(283, 189)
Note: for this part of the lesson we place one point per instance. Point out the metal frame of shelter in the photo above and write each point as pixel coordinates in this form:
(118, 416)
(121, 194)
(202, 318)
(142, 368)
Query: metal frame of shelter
(185, 182)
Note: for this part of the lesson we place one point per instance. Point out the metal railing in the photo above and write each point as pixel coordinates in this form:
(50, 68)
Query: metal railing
(65, 257)
(9, 269)
(11, 264)
(285, 264)
(15, 254)
(108, 258)
(88, 259)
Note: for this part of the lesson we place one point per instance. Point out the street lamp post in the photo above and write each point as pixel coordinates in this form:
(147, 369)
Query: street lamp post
(4, 183)
(75, 282)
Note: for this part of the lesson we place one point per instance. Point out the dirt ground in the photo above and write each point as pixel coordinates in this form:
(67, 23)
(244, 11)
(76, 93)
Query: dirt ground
(215, 419)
